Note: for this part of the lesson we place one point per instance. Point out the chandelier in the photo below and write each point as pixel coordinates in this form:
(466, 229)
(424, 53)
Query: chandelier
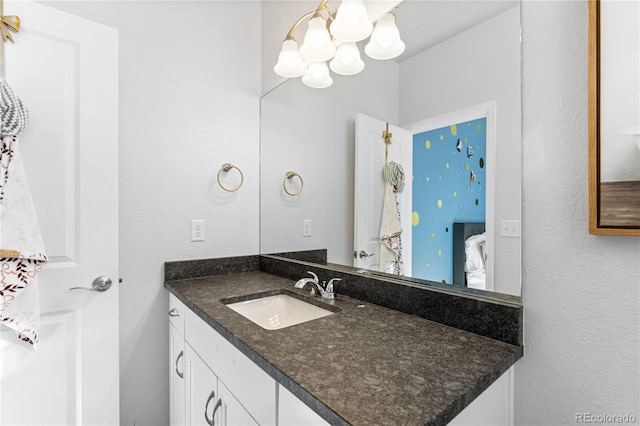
(332, 38)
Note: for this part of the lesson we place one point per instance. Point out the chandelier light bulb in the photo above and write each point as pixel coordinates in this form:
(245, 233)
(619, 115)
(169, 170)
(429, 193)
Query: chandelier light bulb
(352, 23)
(347, 60)
(317, 76)
(317, 46)
(346, 55)
(385, 37)
(290, 63)
(385, 40)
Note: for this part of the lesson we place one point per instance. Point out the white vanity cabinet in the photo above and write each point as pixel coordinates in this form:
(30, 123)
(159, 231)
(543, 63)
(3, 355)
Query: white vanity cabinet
(293, 412)
(233, 413)
(203, 402)
(493, 407)
(210, 402)
(216, 384)
(249, 384)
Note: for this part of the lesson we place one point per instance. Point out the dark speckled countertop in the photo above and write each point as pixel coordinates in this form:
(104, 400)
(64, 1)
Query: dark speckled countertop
(363, 365)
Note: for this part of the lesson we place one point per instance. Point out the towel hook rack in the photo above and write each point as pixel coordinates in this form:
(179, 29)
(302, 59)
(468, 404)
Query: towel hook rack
(287, 177)
(387, 141)
(226, 167)
(13, 23)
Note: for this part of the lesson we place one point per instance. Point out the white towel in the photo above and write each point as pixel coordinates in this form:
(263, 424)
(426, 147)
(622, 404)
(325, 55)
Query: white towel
(390, 231)
(21, 247)
(21, 254)
(393, 174)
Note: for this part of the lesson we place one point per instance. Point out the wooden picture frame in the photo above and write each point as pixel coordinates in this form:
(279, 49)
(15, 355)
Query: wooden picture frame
(614, 208)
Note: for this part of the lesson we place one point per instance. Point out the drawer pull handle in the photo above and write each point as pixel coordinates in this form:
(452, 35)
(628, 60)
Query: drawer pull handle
(213, 416)
(181, 375)
(174, 313)
(212, 421)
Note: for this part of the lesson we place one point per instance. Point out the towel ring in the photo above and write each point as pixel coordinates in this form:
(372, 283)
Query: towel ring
(290, 175)
(225, 168)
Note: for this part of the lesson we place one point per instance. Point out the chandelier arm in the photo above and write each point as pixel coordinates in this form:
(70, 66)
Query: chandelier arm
(322, 6)
(318, 9)
(297, 24)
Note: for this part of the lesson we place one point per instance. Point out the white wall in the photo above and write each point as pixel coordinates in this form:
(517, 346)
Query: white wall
(581, 292)
(485, 67)
(312, 131)
(189, 101)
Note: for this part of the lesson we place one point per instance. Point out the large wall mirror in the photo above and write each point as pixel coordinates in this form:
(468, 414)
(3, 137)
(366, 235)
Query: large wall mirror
(614, 117)
(460, 72)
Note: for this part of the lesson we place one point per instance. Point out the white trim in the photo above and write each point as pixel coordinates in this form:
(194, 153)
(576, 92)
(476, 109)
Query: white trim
(488, 110)
(512, 381)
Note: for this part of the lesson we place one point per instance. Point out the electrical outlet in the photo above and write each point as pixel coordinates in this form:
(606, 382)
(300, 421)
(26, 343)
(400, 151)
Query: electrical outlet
(197, 230)
(306, 228)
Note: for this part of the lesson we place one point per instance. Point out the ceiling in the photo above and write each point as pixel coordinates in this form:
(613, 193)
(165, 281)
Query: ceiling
(425, 23)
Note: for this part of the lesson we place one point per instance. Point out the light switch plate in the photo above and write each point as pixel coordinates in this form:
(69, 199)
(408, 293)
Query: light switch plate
(306, 228)
(510, 228)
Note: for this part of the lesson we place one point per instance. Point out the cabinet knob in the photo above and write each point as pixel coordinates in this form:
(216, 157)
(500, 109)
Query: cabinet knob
(174, 313)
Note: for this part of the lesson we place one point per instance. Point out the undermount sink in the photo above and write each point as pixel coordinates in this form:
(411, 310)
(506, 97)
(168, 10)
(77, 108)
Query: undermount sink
(276, 311)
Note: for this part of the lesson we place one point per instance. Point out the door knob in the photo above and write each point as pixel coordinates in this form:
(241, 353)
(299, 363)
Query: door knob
(100, 284)
(364, 254)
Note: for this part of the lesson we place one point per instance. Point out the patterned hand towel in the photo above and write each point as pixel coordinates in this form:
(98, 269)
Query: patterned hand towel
(21, 247)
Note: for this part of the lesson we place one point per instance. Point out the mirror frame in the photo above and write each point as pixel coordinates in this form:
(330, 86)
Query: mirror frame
(594, 89)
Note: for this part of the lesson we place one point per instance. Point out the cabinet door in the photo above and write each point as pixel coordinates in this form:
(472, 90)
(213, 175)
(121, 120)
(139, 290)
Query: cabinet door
(202, 396)
(177, 388)
(293, 412)
(493, 407)
(233, 413)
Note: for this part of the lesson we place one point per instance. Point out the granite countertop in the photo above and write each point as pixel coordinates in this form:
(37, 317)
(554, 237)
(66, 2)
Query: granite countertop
(364, 364)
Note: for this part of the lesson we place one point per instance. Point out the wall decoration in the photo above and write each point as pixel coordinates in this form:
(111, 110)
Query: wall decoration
(449, 183)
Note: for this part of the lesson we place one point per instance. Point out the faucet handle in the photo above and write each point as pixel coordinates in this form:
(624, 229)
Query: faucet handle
(315, 277)
(329, 287)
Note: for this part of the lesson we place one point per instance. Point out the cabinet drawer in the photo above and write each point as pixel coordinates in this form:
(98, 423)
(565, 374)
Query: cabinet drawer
(248, 383)
(176, 314)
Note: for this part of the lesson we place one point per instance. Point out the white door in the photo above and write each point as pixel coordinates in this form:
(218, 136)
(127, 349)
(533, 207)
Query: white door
(369, 189)
(64, 69)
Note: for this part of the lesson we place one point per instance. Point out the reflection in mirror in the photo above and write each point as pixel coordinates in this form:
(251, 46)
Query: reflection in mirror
(614, 127)
(313, 132)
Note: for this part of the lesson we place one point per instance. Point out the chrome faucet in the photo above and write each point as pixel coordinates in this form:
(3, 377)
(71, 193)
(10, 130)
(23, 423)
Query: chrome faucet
(325, 289)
